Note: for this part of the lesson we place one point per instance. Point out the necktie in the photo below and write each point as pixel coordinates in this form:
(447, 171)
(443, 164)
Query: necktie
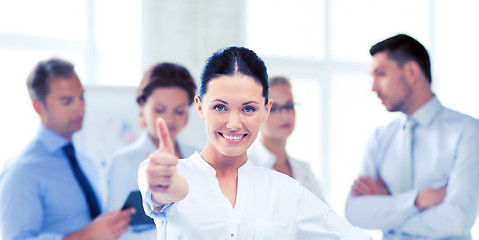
(82, 180)
(407, 172)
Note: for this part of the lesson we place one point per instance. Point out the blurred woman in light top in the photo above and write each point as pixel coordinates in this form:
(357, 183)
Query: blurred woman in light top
(269, 150)
(166, 90)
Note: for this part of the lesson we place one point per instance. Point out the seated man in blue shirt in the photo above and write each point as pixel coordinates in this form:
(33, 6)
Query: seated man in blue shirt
(48, 191)
(419, 174)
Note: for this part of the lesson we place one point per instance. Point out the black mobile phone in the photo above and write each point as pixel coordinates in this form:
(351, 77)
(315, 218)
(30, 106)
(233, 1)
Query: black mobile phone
(139, 221)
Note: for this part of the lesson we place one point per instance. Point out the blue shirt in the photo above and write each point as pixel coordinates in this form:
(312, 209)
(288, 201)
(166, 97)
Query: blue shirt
(446, 153)
(40, 196)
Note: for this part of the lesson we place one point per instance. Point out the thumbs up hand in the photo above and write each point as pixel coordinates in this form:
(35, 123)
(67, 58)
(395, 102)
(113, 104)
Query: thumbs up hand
(164, 182)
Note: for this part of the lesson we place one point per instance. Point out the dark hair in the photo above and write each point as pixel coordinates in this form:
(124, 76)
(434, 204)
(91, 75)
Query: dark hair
(38, 82)
(402, 48)
(164, 75)
(234, 60)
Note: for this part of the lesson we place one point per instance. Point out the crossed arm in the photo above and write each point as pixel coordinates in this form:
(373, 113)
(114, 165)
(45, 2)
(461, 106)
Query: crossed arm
(428, 197)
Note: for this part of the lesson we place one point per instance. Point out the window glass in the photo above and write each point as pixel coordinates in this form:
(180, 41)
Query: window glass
(455, 56)
(286, 28)
(118, 42)
(46, 18)
(356, 25)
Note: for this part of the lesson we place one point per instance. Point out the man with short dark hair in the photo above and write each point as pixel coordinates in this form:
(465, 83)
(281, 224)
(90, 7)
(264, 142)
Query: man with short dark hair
(419, 174)
(49, 191)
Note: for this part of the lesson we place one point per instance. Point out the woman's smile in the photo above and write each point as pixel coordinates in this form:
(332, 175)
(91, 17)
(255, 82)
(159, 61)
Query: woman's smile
(232, 138)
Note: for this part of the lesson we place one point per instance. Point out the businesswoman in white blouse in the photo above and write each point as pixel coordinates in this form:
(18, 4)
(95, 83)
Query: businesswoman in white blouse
(218, 193)
(269, 149)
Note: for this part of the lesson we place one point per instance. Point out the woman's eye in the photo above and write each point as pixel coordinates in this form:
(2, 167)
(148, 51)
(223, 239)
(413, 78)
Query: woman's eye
(219, 108)
(178, 112)
(159, 110)
(249, 109)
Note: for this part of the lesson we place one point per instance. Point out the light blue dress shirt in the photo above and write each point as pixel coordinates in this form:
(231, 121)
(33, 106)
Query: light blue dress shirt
(40, 196)
(446, 153)
(123, 176)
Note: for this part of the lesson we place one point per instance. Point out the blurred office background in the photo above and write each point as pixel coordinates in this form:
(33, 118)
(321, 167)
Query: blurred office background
(322, 45)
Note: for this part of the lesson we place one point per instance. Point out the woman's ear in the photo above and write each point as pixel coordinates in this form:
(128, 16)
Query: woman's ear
(199, 106)
(141, 117)
(267, 109)
(39, 107)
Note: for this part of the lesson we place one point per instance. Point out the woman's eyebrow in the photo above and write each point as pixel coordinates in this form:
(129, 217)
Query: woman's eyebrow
(219, 100)
(250, 102)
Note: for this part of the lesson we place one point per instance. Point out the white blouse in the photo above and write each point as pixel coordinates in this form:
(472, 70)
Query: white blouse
(269, 205)
(261, 156)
